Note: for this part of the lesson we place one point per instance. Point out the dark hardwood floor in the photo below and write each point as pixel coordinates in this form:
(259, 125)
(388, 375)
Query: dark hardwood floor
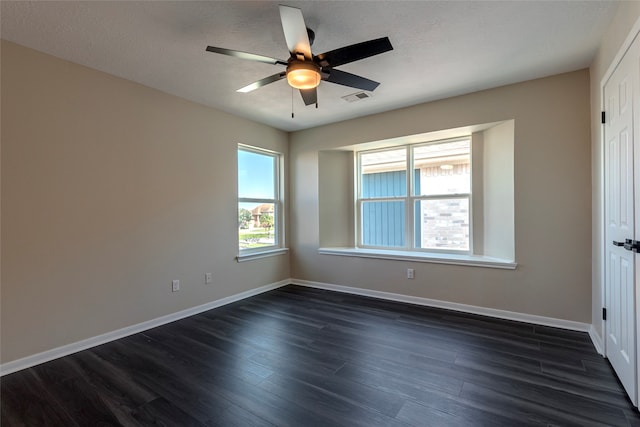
(298, 356)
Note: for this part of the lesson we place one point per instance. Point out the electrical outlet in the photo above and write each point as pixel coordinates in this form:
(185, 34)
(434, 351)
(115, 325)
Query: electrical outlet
(410, 273)
(208, 278)
(175, 286)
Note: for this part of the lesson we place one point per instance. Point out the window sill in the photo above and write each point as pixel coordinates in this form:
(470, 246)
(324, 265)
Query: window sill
(261, 254)
(455, 259)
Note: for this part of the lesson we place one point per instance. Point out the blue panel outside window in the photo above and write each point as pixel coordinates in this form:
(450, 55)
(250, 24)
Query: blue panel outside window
(383, 223)
(384, 184)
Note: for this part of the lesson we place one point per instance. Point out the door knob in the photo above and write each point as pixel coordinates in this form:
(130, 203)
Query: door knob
(630, 245)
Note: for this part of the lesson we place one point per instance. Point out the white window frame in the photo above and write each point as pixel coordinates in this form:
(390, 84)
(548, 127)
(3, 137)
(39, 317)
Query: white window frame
(278, 215)
(410, 200)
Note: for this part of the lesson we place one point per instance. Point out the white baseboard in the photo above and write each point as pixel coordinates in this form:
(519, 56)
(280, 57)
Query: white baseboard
(46, 356)
(65, 350)
(597, 340)
(491, 312)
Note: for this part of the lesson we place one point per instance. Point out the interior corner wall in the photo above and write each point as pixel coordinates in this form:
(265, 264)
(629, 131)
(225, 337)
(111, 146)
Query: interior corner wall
(552, 186)
(336, 197)
(110, 190)
(498, 191)
(477, 189)
(626, 17)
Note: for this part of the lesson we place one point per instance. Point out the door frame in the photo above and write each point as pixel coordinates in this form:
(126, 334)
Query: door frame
(635, 31)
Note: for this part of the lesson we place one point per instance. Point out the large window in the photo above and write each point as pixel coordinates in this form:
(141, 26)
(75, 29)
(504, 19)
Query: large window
(427, 209)
(259, 201)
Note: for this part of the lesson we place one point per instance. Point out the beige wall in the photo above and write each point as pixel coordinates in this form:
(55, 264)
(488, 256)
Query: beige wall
(109, 191)
(626, 16)
(552, 186)
(336, 196)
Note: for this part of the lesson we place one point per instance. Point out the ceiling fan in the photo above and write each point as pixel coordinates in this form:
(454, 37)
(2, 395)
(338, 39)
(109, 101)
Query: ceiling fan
(304, 70)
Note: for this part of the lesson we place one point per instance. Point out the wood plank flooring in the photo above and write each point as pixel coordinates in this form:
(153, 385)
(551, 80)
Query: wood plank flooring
(298, 356)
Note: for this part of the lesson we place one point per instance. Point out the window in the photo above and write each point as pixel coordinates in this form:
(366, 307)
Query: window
(259, 201)
(455, 207)
(425, 210)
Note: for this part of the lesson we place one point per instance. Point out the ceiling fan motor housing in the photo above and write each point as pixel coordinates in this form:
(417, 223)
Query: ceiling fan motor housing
(303, 74)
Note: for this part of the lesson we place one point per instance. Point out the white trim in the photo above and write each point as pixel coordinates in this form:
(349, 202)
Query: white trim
(484, 311)
(621, 52)
(65, 350)
(415, 256)
(277, 200)
(46, 356)
(601, 228)
(597, 340)
(263, 254)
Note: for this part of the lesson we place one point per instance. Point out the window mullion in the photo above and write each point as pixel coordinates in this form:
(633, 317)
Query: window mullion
(409, 215)
(252, 200)
(443, 196)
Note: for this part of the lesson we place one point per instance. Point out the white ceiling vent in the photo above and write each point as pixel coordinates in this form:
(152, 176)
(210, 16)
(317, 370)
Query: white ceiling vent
(358, 96)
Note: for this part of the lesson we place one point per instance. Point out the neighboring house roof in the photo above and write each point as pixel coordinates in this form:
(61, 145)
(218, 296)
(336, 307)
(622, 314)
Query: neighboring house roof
(266, 208)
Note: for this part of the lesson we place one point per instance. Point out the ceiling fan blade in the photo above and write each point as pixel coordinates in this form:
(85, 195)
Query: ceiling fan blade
(263, 82)
(351, 80)
(352, 53)
(309, 96)
(295, 31)
(245, 55)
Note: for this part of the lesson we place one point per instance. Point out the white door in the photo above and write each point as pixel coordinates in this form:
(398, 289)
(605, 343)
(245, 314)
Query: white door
(620, 136)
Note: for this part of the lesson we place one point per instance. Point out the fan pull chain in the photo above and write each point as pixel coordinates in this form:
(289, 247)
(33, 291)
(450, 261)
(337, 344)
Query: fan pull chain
(292, 116)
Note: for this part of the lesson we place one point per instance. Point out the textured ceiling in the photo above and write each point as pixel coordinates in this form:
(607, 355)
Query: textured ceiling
(441, 48)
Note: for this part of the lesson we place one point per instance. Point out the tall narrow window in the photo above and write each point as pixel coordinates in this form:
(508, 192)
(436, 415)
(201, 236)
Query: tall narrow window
(427, 209)
(259, 202)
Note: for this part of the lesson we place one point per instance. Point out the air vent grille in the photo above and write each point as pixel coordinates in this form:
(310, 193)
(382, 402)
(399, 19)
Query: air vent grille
(358, 96)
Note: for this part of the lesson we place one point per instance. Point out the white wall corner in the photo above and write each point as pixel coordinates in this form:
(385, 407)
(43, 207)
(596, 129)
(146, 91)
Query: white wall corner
(65, 350)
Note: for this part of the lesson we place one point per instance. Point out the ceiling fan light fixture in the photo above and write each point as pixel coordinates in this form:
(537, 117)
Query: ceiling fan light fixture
(303, 75)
